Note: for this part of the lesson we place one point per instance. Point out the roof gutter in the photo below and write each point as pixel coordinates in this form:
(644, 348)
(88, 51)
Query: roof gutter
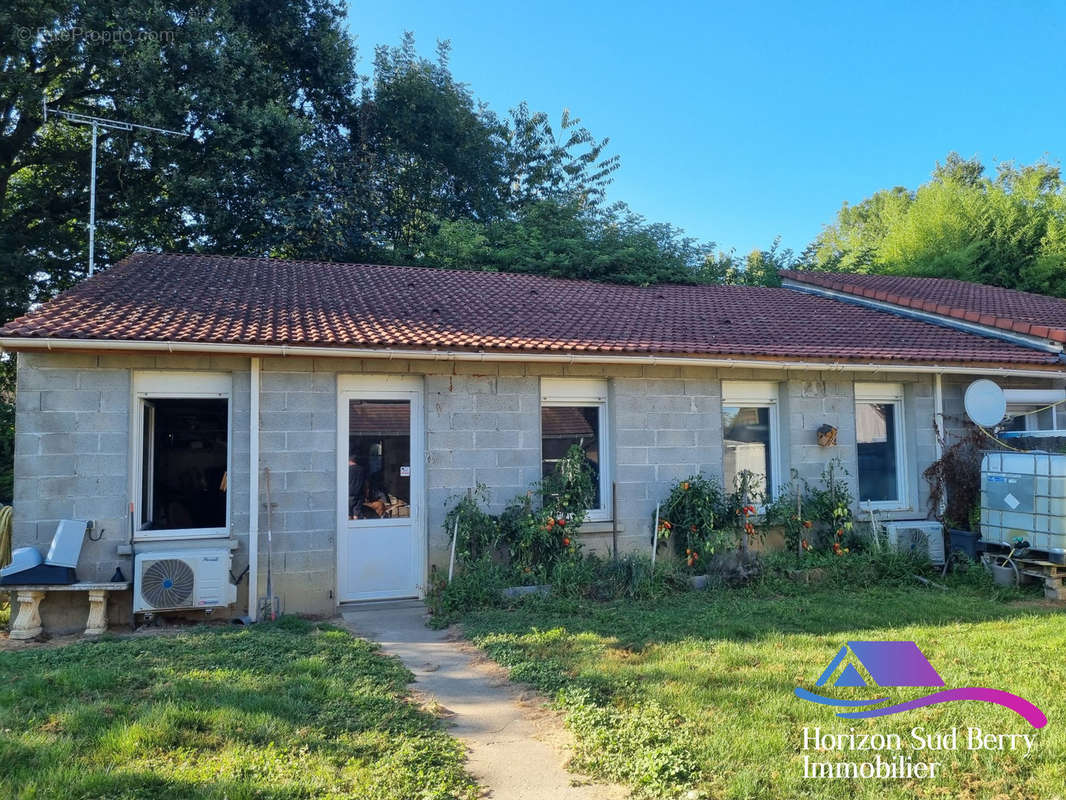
(60, 345)
(1021, 339)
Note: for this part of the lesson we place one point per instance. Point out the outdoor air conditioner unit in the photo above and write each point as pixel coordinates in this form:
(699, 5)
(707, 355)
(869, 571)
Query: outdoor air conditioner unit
(923, 534)
(177, 580)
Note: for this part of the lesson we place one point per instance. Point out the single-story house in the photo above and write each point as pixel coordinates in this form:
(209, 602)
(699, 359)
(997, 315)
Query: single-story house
(187, 401)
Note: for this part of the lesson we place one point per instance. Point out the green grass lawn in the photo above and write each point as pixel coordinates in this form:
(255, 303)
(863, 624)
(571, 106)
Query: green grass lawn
(694, 693)
(282, 710)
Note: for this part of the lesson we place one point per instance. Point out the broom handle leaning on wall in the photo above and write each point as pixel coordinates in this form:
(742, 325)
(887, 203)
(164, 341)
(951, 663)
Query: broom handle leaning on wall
(451, 560)
(270, 546)
(655, 537)
(455, 538)
(614, 520)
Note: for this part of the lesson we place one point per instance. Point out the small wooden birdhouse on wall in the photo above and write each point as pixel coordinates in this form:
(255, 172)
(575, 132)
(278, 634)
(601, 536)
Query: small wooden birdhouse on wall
(827, 436)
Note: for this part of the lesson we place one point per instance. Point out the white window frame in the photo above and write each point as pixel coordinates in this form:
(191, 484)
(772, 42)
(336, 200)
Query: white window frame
(757, 394)
(174, 385)
(584, 393)
(887, 394)
(1025, 410)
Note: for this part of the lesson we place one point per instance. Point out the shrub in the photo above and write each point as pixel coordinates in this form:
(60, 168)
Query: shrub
(535, 538)
(955, 479)
(703, 520)
(857, 572)
(787, 511)
(816, 518)
(739, 512)
(478, 531)
(480, 584)
(629, 576)
(688, 518)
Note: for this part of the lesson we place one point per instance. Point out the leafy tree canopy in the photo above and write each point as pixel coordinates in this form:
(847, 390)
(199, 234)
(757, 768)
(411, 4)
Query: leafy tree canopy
(1006, 230)
(569, 240)
(287, 150)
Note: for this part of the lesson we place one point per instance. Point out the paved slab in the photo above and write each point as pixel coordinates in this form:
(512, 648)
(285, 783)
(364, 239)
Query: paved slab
(516, 749)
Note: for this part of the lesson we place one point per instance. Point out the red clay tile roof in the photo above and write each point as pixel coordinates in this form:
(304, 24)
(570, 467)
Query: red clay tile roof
(1019, 312)
(215, 299)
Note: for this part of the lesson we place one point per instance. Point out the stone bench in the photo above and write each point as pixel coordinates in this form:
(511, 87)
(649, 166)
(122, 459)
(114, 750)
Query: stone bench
(27, 623)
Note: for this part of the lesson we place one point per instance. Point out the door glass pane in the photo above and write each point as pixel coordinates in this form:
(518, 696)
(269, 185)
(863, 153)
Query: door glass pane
(379, 459)
(747, 440)
(876, 435)
(561, 427)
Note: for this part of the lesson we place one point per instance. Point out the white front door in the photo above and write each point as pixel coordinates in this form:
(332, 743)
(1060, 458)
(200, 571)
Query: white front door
(380, 478)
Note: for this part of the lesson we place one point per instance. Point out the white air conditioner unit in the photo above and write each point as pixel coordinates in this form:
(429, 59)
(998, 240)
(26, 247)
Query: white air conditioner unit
(176, 580)
(924, 535)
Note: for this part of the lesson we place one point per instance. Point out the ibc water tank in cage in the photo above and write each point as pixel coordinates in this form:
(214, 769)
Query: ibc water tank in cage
(1024, 495)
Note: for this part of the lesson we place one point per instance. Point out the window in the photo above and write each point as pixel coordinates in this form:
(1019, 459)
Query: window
(1035, 420)
(879, 440)
(379, 459)
(574, 412)
(749, 432)
(182, 467)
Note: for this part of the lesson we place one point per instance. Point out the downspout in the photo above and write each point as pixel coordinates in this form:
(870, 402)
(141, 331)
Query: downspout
(253, 490)
(938, 418)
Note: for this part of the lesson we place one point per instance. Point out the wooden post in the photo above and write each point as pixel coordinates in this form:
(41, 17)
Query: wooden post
(614, 520)
(451, 560)
(655, 537)
(455, 538)
(744, 530)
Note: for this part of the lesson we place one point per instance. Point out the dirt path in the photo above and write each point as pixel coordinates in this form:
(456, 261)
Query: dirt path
(517, 748)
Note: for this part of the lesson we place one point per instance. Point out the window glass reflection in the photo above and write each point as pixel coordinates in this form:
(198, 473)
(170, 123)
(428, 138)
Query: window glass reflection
(379, 459)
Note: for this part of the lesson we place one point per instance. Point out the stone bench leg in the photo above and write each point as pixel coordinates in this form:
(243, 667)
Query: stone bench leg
(27, 624)
(97, 623)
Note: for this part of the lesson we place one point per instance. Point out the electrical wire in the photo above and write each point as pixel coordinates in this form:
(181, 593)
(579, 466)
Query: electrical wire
(1002, 443)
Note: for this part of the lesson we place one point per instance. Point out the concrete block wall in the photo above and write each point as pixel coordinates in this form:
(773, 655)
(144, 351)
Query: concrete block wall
(808, 401)
(298, 445)
(71, 454)
(72, 450)
(482, 426)
(667, 425)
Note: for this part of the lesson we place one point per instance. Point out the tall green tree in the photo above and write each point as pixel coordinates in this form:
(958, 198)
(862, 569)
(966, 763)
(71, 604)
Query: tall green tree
(438, 156)
(263, 92)
(757, 268)
(1005, 230)
(570, 240)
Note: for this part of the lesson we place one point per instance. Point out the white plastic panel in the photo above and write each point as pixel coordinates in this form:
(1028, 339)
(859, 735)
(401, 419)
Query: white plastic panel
(1024, 495)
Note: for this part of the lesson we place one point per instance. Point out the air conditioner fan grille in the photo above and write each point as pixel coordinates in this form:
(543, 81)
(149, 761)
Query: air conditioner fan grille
(167, 583)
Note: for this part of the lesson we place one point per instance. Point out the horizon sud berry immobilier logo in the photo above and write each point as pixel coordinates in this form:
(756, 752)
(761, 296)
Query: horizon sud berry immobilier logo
(902, 665)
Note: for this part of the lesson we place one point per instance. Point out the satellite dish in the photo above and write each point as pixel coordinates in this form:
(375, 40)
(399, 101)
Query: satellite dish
(985, 403)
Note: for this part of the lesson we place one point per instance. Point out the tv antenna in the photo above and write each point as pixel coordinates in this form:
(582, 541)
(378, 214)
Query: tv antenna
(96, 123)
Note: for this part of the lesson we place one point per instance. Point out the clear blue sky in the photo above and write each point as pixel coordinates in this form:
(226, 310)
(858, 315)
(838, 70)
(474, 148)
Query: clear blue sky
(741, 121)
